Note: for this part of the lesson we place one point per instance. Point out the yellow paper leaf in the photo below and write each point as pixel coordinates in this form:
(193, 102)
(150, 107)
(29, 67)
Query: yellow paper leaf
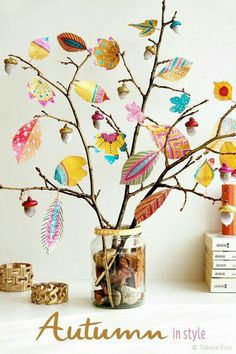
(230, 160)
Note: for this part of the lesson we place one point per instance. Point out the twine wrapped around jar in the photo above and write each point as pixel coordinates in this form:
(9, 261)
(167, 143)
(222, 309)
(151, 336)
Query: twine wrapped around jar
(15, 277)
(49, 293)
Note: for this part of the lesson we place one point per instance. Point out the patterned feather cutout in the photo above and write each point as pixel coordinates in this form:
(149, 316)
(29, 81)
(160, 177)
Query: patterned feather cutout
(70, 42)
(176, 69)
(138, 167)
(149, 205)
(147, 27)
(52, 228)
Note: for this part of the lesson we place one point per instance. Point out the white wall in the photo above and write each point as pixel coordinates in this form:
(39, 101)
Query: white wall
(174, 240)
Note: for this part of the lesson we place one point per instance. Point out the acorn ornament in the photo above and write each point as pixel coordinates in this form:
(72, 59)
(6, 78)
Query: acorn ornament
(191, 126)
(97, 117)
(225, 173)
(227, 212)
(149, 52)
(10, 65)
(66, 134)
(30, 206)
(123, 91)
(176, 26)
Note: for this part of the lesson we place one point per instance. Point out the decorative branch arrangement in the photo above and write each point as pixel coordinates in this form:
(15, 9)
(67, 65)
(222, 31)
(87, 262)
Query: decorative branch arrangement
(168, 140)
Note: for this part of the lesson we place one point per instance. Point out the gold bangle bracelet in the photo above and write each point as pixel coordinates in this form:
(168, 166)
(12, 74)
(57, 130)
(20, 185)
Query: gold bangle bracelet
(15, 277)
(49, 293)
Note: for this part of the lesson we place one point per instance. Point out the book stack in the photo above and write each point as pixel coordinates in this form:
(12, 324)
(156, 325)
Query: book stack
(220, 263)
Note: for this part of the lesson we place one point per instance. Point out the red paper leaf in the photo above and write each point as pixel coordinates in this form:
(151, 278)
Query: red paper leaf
(149, 205)
(71, 42)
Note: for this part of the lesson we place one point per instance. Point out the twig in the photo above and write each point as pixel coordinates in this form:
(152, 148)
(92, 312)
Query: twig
(170, 88)
(122, 55)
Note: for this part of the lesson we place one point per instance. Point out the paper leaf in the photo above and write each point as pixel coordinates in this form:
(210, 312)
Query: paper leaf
(40, 90)
(177, 145)
(27, 141)
(228, 127)
(52, 227)
(176, 69)
(70, 172)
(223, 91)
(39, 48)
(146, 28)
(110, 144)
(230, 160)
(180, 103)
(70, 42)
(90, 91)
(204, 174)
(149, 205)
(107, 53)
(138, 167)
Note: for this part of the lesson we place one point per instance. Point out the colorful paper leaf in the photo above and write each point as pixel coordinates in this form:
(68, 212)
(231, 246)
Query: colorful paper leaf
(39, 48)
(90, 91)
(204, 174)
(223, 91)
(27, 141)
(138, 167)
(107, 53)
(230, 159)
(149, 205)
(146, 28)
(70, 172)
(228, 126)
(110, 144)
(180, 103)
(176, 69)
(40, 90)
(70, 42)
(52, 227)
(177, 145)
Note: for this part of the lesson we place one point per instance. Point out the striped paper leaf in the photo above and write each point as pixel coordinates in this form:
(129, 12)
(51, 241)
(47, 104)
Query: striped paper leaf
(176, 69)
(138, 167)
(177, 145)
(71, 42)
(149, 205)
(52, 228)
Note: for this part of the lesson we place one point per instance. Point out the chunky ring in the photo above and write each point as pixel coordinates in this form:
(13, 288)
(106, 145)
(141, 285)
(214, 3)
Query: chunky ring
(15, 277)
(49, 293)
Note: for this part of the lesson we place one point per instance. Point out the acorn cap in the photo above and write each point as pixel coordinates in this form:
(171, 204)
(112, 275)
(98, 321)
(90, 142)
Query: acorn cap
(123, 88)
(225, 169)
(191, 123)
(97, 116)
(29, 203)
(175, 23)
(151, 48)
(227, 208)
(10, 60)
(66, 130)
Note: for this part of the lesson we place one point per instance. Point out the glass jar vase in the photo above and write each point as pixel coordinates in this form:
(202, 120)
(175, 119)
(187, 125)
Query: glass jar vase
(118, 264)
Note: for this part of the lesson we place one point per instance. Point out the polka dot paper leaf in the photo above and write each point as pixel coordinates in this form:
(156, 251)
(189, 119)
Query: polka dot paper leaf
(70, 171)
(146, 28)
(90, 91)
(177, 145)
(27, 141)
(52, 227)
(223, 91)
(228, 127)
(110, 144)
(107, 53)
(40, 90)
(204, 174)
(138, 167)
(149, 205)
(230, 159)
(70, 42)
(180, 103)
(176, 69)
(39, 48)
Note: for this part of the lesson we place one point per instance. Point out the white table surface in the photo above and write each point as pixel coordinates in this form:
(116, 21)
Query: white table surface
(169, 304)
